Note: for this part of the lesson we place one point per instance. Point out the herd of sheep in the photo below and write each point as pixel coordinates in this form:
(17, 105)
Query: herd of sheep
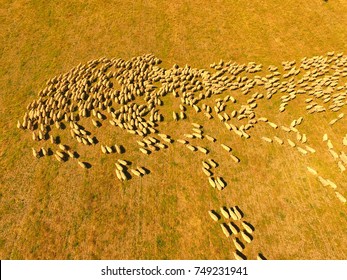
(130, 96)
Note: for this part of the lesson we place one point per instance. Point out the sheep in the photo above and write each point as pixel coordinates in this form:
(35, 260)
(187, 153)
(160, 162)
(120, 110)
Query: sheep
(247, 226)
(225, 147)
(234, 228)
(260, 257)
(191, 147)
(145, 151)
(182, 141)
(58, 158)
(343, 157)
(266, 139)
(302, 151)
(117, 148)
(340, 197)
(212, 182)
(325, 137)
(82, 164)
(323, 181)
(220, 182)
(278, 140)
(206, 165)
(235, 158)
(312, 171)
(103, 149)
(291, 143)
(225, 212)
(273, 125)
(119, 176)
(284, 128)
(232, 214)
(35, 153)
(238, 213)
(213, 163)
(207, 172)
(109, 149)
(246, 236)
(331, 184)
(311, 150)
(238, 244)
(214, 215)
(60, 154)
(239, 256)
(225, 229)
(210, 138)
(141, 170)
(136, 172)
(341, 166)
(190, 136)
(330, 145)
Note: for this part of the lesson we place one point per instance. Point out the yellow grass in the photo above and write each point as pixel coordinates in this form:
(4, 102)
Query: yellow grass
(53, 210)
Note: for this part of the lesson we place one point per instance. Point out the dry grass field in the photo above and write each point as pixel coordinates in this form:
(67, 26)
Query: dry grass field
(58, 210)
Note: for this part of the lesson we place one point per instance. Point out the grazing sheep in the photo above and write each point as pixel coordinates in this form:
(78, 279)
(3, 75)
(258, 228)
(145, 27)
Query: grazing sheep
(302, 151)
(235, 158)
(103, 149)
(278, 140)
(210, 138)
(207, 172)
(247, 226)
(182, 141)
(312, 171)
(118, 175)
(325, 137)
(220, 182)
(225, 229)
(266, 139)
(71, 154)
(206, 165)
(238, 244)
(331, 184)
(291, 143)
(58, 158)
(144, 151)
(123, 162)
(191, 147)
(246, 236)
(117, 148)
(330, 145)
(340, 197)
(273, 125)
(214, 215)
(82, 164)
(311, 150)
(260, 257)
(341, 166)
(60, 154)
(284, 128)
(239, 256)
(212, 163)
(234, 228)
(136, 172)
(225, 212)
(109, 149)
(323, 181)
(142, 170)
(119, 166)
(238, 213)
(212, 182)
(233, 214)
(225, 147)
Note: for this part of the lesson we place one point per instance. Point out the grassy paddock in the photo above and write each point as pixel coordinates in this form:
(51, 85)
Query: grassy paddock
(50, 210)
